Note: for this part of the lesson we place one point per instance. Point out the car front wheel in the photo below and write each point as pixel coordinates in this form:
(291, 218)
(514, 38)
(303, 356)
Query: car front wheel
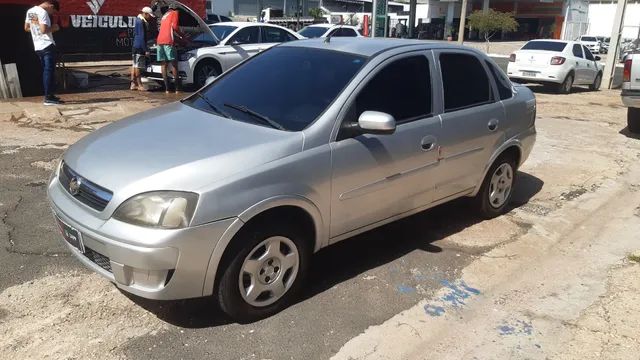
(633, 120)
(265, 272)
(497, 187)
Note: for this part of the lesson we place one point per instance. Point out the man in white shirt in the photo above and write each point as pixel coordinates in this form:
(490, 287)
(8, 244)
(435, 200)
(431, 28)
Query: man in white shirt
(38, 23)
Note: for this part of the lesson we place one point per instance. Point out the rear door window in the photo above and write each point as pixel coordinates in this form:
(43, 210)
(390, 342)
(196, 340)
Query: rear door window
(275, 35)
(577, 51)
(464, 81)
(502, 81)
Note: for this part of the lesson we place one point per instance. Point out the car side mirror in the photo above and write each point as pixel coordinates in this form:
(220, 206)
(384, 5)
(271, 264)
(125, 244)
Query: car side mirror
(375, 122)
(598, 58)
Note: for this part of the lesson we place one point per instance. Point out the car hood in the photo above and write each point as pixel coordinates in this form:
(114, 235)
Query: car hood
(175, 147)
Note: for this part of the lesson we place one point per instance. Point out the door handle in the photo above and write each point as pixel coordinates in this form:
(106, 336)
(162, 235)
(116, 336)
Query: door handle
(492, 125)
(428, 143)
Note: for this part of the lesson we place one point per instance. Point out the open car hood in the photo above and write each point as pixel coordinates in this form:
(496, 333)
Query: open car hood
(190, 23)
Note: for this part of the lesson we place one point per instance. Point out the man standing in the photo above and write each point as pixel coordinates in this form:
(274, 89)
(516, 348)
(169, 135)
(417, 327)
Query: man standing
(38, 22)
(166, 46)
(140, 51)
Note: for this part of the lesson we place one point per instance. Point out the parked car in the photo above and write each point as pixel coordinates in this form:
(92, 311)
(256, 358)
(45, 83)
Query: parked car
(591, 42)
(215, 18)
(213, 49)
(561, 64)
(604, 44)
(631, 91)
(230, 191)
(325, 30)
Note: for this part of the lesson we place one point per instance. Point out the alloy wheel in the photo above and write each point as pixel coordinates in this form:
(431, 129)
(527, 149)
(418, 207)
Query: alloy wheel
(269, 271)
(500, 185)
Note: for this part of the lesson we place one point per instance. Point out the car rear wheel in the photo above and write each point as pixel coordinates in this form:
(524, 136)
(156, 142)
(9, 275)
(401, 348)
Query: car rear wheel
(497, 187)
(633, 120)
(596, 83)
(566, 85)
(203, 71)
(265, 272)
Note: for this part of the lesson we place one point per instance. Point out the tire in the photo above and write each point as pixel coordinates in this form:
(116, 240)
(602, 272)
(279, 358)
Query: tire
(633, 120)
(566, 85)
(244, 255)
(203, 71)
(486, 200)
(596, 83)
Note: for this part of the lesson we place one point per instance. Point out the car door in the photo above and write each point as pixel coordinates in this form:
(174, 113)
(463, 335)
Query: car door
(580, 64)
(243, 44)
(472, 122)
(375, 176)
(592, 67)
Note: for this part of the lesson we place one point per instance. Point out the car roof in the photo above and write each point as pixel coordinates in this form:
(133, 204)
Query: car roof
(370, 46)
(551, 40)
(329, 26)
(241, 24)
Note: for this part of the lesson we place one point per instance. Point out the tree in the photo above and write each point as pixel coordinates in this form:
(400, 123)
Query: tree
(316, 13)
(489, 22)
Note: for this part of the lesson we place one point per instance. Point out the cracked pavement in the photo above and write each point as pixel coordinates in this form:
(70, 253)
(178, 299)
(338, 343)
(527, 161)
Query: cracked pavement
(550, 279)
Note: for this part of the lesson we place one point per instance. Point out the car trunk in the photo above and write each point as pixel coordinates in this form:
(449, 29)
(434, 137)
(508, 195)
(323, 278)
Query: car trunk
(534, 58)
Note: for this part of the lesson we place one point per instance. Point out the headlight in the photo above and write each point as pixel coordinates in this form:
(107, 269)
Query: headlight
(185, 56)
(161, 209)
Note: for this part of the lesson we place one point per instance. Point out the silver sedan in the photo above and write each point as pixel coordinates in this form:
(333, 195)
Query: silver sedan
(230, 191)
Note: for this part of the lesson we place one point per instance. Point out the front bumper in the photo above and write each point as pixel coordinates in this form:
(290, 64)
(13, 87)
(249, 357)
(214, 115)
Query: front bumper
(551, 74)
(154, 72)
(151, 263)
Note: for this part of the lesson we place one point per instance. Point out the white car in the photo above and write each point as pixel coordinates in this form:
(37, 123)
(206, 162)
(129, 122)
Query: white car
(213, 49)
(324, 30)
(562, 64)
(591, 42)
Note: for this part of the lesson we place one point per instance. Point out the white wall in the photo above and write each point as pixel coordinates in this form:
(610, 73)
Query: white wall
(601, 19)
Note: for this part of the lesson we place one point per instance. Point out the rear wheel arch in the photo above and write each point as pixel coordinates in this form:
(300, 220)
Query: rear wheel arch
(512, 149)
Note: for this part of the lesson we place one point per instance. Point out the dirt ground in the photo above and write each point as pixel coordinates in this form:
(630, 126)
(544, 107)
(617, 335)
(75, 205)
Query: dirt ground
(555, 278)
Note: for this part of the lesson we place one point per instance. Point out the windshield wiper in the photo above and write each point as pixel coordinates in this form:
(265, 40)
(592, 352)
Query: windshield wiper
(212, 105)
(264, 119)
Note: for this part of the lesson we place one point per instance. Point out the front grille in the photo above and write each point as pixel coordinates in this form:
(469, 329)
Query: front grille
(98, 259)
(88, 193)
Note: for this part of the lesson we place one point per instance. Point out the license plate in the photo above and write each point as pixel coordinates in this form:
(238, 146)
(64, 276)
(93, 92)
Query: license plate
(70, 234)
(529, 73)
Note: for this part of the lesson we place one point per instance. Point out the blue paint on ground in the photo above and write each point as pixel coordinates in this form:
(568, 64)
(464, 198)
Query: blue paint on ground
(467, 288)
(433, 310)
(506, 330)
(404, 289)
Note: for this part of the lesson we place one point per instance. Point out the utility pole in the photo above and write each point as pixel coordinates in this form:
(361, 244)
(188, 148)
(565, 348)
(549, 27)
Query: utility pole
(614, 44)
(463, 19)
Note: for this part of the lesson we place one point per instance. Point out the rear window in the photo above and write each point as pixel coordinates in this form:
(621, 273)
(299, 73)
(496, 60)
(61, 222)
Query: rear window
(545, 45)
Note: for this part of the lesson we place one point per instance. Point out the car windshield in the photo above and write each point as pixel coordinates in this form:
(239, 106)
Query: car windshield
(222, 31)
(545, 45)
(286, 85)
(313, 31)
(588, 38)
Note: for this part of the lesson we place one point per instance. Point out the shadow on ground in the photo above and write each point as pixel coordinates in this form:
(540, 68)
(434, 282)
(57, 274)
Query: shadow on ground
(548, 89)
(347, 259)
(626, 132)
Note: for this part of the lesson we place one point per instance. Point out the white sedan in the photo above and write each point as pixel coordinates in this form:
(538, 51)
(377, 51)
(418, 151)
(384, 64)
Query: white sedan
(562, 64)
(325, 30)
(213, 49)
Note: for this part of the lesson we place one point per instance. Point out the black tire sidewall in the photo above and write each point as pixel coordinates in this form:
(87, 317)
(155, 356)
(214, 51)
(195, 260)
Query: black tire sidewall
(562, 87)
(482, 198)
(229, 297)
(595, 86)
(200, 82)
